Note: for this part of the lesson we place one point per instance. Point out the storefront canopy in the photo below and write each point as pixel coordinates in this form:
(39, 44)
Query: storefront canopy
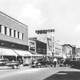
(7, 52)
(22, 53)
(38, 55)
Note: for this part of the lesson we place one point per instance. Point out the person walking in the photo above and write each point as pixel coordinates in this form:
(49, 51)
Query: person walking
(55, 62)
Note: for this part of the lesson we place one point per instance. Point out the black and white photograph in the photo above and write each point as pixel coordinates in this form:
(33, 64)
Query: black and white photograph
(39, 39)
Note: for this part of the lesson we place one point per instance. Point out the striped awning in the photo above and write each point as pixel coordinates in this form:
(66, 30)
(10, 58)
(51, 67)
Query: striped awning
(22, 53)
(7, 52)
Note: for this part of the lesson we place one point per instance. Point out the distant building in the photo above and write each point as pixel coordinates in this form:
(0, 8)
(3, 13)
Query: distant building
(41, 47)
(67, 51)
(57, 50)
(77, 53)
(37, 47)
(47, 36)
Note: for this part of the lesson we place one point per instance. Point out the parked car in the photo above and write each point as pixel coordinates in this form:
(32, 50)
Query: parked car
(3, 62)
(42, 63)
(13, 64)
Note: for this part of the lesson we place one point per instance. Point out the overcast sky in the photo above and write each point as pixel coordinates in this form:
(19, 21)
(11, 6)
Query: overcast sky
(63, 15)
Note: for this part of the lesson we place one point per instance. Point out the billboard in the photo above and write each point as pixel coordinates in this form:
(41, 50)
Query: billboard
(32, 46)
(49, 47)
(41, 47)
(49, 44)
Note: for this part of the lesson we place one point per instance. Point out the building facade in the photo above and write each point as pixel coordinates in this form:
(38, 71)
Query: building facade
(47, 36)
(13, 34)
(67, 51)
(57, 49)
(37, 47)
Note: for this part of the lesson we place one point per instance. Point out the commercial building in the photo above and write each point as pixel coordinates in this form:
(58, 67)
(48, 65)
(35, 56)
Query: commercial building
(13, 36)
(37, 47)
(67, 51)
(12, 31)
(77, 52)
(57, 49)
(47, 36)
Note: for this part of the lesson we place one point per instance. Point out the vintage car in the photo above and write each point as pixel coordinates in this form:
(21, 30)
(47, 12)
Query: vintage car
(2, 62)
(13, 64)
(42, 63)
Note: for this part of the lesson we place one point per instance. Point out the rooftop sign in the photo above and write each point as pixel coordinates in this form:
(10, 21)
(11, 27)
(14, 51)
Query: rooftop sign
(44, 31)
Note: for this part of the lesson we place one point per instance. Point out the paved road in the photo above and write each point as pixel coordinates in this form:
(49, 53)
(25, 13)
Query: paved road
(59, 73)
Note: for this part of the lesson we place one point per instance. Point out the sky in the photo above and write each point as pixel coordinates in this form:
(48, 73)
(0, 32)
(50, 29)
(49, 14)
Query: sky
(61, 15)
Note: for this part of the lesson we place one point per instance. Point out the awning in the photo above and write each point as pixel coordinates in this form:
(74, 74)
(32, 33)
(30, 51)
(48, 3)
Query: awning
(7, 52)
(22, 53)
(38, 55)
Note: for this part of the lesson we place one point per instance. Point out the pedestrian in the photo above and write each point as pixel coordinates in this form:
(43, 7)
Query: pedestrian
(55, 62)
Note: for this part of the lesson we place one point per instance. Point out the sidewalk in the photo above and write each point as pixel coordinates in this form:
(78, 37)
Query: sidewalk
(3, 68)
(41, 73)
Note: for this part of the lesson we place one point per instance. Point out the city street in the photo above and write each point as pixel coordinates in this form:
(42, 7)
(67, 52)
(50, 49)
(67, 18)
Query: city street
(58, 73)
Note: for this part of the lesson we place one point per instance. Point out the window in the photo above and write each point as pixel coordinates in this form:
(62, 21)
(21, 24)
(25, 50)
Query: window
(14, 33)
(18, 34)
(0, 28)
(22, 36)
(10, 30)
(5, 30)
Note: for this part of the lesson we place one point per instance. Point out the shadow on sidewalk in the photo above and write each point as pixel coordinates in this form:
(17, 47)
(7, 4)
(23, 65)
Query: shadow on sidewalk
(65, 75)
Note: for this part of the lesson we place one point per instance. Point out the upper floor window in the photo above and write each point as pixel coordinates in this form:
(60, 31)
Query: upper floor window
(22, 36)
(5, 30)
(18, 34)
(14, 33)
(10, 31)
(2, 30)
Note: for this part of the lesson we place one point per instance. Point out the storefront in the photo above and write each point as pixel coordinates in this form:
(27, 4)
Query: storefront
(13, 36)
(25, 55)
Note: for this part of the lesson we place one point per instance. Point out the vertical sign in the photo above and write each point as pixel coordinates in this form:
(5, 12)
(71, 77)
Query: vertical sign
(32, 45)
(49, 47)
